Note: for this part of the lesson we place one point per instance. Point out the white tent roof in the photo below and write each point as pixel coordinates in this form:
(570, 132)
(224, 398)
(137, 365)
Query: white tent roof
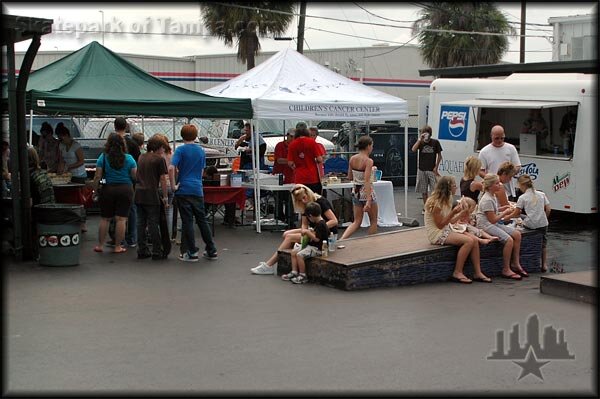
(290, 86)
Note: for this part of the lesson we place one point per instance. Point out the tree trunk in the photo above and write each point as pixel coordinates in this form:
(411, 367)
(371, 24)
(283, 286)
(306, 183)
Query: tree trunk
(250, 51)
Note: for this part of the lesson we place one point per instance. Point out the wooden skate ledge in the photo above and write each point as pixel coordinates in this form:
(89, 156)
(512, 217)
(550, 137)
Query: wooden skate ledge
(401, 258)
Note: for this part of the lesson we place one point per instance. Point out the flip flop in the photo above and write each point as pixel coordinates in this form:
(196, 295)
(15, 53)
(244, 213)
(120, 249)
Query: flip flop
(119, 250)
(482, 280)
(463, 280)
(522, 273)
(514, 276)
(98, 249)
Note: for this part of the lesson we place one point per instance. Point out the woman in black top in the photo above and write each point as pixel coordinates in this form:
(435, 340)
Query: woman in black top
(469, 187)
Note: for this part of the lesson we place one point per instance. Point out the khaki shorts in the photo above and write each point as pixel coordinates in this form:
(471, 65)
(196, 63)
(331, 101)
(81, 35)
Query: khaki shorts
(426, 181)
(309, 252)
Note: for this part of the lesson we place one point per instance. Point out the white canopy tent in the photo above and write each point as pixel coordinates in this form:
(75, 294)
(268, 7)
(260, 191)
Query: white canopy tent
(291, 86)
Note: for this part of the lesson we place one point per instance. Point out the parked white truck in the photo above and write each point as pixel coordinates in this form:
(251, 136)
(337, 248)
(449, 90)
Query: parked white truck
(550, 118)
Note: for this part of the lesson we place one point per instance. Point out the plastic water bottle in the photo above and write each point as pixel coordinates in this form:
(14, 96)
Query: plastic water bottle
(325, 249)
(332, 240)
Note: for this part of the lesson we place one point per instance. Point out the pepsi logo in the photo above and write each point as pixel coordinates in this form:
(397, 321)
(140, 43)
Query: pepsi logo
(52, 241)
(454, 122)
(456, 125)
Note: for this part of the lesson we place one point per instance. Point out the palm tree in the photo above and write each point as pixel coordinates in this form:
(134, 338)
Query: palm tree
(447, 49)
(228, 21)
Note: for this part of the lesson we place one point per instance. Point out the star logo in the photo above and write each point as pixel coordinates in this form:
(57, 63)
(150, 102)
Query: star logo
(531, 366)
(552, 345)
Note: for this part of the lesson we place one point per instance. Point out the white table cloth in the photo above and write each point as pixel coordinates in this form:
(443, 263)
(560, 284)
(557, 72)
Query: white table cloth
(386, 213)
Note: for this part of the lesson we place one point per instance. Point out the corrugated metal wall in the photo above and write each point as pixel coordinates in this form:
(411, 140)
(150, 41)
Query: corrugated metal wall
(391, 69)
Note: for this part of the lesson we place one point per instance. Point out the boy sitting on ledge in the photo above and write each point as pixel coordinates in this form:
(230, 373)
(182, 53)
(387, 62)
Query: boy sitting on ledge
(312, 249)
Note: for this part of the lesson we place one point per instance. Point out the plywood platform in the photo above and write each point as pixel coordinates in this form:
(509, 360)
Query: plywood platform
(579, 286)
(401, 258)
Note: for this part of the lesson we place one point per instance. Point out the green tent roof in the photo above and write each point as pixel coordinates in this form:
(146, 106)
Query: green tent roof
(96, 81)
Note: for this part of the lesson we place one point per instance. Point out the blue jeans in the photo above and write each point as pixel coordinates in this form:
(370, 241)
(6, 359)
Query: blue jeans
(169, 212)
(131, 235)
(149, 218)
(191, 207)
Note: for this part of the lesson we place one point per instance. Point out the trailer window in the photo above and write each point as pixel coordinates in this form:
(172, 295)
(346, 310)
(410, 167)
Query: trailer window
(536, 131)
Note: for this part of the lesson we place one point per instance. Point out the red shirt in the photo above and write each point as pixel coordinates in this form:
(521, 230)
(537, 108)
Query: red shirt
(303, 151)
(321, 166)
(281, 151)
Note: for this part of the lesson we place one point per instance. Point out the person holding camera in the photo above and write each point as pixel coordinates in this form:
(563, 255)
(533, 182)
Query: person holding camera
(430, 156)
(246, 141)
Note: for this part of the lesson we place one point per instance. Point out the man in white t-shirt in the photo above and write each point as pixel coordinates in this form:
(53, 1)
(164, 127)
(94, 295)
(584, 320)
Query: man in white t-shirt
(498, 151)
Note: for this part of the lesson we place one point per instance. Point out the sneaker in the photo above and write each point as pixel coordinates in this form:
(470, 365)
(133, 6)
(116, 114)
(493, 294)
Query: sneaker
(195, 254)
(262, 268)
(300, 279)
(206, 255)
(289, 276)
(132, 245)
(186, 257)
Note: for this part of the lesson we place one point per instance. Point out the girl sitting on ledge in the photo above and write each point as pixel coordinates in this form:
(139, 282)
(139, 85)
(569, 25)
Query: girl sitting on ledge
(439, 215)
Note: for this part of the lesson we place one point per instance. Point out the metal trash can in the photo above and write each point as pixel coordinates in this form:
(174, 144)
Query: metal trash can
(59, 233)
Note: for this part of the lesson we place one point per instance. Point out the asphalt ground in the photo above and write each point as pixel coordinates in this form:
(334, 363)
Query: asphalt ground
(118, 325)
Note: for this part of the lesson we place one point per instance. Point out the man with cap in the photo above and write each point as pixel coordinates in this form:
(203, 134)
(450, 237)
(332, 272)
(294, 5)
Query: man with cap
(304, 155)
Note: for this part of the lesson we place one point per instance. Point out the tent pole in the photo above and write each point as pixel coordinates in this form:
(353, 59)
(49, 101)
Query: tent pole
(256, 172)
(31, 127)
(173, 134)
(406, 168)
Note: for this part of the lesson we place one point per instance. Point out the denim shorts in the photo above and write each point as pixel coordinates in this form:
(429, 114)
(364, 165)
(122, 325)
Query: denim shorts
(544, 231)
(502, 231)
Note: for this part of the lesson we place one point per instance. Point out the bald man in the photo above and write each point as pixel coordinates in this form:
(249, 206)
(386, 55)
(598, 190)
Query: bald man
(497, 152)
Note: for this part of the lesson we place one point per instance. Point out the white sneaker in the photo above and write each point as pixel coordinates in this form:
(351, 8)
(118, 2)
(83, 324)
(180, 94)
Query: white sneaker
(262, 268)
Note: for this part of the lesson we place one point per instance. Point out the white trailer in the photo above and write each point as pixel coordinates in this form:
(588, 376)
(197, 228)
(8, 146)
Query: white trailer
(563, 163)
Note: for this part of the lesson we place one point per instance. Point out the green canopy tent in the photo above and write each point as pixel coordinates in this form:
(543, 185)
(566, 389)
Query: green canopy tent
(96, 81)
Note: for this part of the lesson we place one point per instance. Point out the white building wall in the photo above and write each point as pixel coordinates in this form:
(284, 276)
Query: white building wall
(575, 38)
